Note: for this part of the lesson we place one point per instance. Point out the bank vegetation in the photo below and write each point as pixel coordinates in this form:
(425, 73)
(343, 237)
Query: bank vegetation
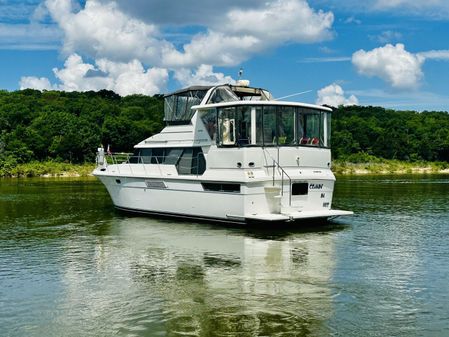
(55, 133)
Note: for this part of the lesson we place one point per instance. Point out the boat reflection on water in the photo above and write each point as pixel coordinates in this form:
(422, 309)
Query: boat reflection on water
(199, 280)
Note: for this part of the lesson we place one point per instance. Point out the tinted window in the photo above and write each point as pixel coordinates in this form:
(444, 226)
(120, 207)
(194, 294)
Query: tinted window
(300, 188)
(221, 187)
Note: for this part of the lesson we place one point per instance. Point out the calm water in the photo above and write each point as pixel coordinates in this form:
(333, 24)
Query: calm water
(71, 266)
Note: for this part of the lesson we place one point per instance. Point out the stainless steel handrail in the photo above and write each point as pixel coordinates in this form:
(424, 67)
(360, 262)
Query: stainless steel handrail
(130, 160)
(282, 173)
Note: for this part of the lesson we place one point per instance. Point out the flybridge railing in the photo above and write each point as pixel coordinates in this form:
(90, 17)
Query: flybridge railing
(131, 161)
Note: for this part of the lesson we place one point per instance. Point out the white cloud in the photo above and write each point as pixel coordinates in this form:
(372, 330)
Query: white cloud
(102, 29)
(29, 36)
(123, 42)
(204, 75)
(181, 13)
(353, 19)
(387, 36)
(73, 76)
(132, 78)
(441, 55)
(412, 4)
(123, 78)
(334, 95)
(391, 63)
(282, 20)
(244, 33)
(403, 100)
(326, 59)
(30, 82)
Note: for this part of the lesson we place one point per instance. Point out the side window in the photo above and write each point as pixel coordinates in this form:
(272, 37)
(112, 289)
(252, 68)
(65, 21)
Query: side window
(311, 126)
(172, 156)
(243, 115)
(227, 126)
(191, 162)
(269, 126)
(286, 126)
(157, 156)
(186, 160)
(198, 163)
(145, 156)
(135, 158)
(209, 118)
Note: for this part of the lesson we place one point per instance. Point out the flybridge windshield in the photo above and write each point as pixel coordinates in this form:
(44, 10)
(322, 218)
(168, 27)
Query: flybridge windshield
(268, 125)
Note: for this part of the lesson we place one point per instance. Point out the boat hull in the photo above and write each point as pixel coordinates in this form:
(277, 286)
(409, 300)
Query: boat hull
(187, 199)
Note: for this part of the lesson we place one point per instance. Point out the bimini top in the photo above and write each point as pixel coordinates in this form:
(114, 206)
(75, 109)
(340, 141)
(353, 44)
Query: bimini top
(178, 105)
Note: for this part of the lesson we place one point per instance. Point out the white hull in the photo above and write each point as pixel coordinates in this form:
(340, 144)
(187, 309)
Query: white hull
(257, 200)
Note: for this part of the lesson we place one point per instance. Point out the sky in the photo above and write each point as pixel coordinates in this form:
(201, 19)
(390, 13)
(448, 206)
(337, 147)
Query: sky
(390, 53)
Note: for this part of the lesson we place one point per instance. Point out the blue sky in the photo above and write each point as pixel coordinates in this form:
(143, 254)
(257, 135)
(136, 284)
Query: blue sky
(391, 53)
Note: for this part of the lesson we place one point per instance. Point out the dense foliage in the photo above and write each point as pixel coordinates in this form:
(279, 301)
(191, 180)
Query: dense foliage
(359, 133)
(68, 127)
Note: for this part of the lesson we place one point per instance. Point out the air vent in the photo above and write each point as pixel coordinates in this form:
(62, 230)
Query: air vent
(155, 184)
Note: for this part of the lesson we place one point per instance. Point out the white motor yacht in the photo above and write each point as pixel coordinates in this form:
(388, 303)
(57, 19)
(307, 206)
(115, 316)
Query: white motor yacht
(228, 153)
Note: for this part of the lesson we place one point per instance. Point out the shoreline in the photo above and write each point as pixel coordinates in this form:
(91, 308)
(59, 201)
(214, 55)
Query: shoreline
(387, 167)
(47, 170)
(340, 168)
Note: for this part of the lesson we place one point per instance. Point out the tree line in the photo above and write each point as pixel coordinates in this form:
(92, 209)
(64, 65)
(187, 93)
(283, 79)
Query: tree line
(69, 126)
(390, 134)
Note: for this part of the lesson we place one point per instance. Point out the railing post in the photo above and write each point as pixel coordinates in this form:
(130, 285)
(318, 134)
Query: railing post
(282, 183)
(290, 193)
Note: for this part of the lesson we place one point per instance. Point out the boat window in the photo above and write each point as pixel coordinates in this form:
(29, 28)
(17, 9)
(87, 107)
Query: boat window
(209, 118)
(191, 162)
(222, 94)
(243, 119)
(145, 156)
(226, 124)
(286, 126)
(257, 127)
(135, 157)
(300, 188)
(327, 128)
(140, 156)
(311, 127)
(172, 156)
(157, 156)
(221, 187)
(187, 160)
(269, 125)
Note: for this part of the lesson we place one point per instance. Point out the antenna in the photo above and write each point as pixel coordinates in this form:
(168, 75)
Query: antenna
(298, 93)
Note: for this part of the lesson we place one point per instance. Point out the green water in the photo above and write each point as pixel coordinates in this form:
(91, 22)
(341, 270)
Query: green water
(70, 265)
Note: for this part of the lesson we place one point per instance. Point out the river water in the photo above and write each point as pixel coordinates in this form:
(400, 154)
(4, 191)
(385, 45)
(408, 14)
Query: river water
(70, 265)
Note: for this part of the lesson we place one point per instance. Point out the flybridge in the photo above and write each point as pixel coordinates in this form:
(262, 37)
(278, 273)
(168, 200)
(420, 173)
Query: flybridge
(178, 105)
